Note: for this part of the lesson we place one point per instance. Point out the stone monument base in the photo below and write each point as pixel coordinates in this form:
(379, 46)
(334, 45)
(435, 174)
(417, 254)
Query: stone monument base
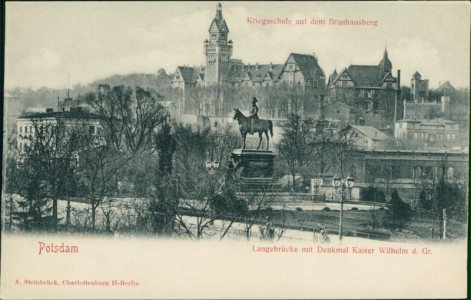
(253, 168)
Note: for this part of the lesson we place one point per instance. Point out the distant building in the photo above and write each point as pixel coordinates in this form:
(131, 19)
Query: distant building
(419, 88)
(427, 133)
(403, 170)
(27, 125)
(342, 111)
(185, 77)
(447, 89)
(211, 90)
(427, 109)
(163, 79)
(372, 89)
(366, 137)
(71, 105)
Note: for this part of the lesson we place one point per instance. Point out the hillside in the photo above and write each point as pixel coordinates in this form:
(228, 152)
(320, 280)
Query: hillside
(19, 99)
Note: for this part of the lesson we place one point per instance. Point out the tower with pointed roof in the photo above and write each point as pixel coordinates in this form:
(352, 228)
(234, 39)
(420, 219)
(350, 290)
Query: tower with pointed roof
(217, 49)
(385, 65)
(419, 88)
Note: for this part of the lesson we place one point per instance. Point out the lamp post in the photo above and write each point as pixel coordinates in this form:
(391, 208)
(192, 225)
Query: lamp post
(345, 186)
(212, 166)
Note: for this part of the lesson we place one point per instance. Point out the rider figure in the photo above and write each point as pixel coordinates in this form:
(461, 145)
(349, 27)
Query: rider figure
(253, 115)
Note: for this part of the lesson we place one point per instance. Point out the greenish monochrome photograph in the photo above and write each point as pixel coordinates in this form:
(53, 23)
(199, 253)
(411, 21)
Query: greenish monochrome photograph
(235, 150)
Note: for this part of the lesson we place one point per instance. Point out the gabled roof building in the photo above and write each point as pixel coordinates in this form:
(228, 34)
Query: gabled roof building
(372, 89)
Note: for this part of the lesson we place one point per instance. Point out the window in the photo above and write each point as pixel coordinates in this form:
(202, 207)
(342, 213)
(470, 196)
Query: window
(26, 129)
(21, 129)
(91, 130)
(417, 172)
(449, 173)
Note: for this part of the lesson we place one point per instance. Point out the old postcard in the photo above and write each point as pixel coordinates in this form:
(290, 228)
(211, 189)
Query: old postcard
(210, 150)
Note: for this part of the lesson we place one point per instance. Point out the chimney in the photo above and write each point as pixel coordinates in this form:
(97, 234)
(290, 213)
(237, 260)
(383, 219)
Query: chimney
(398, 94)
(321, 107)
(399, 79)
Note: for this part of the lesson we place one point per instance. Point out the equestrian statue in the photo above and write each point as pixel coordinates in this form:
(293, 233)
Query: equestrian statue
(252, 124)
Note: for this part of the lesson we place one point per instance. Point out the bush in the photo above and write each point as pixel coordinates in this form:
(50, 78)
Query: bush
(354, 208)
(229, 204)
(326, 209)
(299, 209)
(372, 194)
(398, 214)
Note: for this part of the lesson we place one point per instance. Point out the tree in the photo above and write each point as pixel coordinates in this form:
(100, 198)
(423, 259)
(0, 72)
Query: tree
(399, 213)
(323, 144)
(46, 165)
(372, 194)
(129, 118)
(98, 168)
(165, 144)
(295, 144)
(439, 195)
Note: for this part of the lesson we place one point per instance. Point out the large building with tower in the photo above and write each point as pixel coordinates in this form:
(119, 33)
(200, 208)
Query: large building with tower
(223, 82)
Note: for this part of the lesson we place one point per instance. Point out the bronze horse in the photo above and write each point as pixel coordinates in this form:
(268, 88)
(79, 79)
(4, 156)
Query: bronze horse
(260, 126)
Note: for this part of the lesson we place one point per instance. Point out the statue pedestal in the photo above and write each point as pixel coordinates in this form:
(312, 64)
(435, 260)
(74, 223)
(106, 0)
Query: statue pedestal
(253, 168)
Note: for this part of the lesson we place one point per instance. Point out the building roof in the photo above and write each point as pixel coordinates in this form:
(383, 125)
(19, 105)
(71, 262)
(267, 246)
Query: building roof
(190, 74)
(431, 122)
(370, 132)
(385, 64)
(163, 78)
(332, 77)
(308, 65)
(76, 114)
(255, 73)
(446, 86)
(338, 103)
(367, 75)
(219, 20)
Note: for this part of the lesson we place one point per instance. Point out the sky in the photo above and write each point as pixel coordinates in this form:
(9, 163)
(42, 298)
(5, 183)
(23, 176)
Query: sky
(48, 41)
